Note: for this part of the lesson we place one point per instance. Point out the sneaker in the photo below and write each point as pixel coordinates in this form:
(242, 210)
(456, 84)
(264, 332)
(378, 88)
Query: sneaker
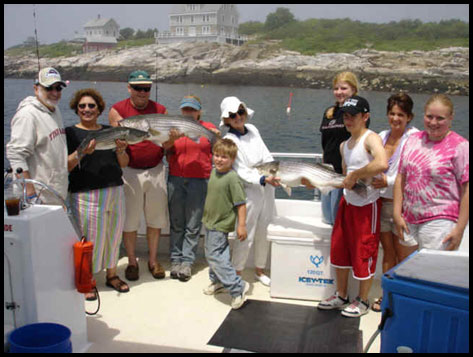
(333, 302)
(213, 288)
(184, 272)
(239, 300)
(263, 279)
(357, 308)
(175, 267)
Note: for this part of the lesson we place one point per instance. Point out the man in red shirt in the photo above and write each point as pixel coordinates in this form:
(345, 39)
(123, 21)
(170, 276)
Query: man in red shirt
(144, 178)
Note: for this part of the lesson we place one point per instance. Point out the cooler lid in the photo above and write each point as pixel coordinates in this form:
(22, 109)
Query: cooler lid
(441, 267)
(300, 227)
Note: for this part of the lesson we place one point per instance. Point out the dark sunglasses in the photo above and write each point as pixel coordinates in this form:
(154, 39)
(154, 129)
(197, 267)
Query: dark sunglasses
(57, 88)
(141, 89)
(240, 113)
(83, 105)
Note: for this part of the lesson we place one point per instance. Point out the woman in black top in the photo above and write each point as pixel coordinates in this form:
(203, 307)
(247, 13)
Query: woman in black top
(96, 187)
(345, 85)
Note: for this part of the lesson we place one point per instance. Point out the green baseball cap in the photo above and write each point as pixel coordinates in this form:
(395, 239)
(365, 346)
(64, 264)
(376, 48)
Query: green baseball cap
(139, 77)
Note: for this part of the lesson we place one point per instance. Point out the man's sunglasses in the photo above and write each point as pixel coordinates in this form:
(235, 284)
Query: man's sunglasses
(141, 89)
(83, 105)
(240, 113)
(57, 88)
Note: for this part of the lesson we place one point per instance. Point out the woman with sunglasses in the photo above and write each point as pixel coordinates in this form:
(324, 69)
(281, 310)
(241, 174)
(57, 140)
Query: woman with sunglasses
(259, 189)
(96, 187)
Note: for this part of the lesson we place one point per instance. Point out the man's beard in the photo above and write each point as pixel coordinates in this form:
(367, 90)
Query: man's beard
(44, 98)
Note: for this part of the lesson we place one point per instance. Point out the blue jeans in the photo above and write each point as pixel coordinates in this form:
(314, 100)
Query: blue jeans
(330, 204)
(217, 253)
(186, 198)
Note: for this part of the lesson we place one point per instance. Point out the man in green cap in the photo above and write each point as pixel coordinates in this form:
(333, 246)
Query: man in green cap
(144, 178)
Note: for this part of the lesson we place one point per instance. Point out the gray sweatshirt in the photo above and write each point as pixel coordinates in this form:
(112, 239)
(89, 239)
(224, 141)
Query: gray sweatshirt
(38, 145)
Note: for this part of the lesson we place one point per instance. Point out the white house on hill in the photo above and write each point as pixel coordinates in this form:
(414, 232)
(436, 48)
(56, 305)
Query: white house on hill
(202, 22)
(100, 34)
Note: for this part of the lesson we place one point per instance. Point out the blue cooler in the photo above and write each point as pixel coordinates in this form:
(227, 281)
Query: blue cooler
(428, 295)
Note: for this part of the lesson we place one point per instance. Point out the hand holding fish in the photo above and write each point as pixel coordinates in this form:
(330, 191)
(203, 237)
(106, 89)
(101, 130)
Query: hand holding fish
(216, 132)
(379, 182)
(349, 181)
(307, 184)
(273, 181)
(174, 134)
(90, 148)
(121, 146)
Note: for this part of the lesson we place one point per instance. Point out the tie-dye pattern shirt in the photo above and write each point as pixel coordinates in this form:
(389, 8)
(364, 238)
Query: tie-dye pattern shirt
(434, 172)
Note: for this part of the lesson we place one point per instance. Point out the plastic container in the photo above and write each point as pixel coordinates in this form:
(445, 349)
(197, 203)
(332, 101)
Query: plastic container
(300, 253)
(41, 338)
(429, 297)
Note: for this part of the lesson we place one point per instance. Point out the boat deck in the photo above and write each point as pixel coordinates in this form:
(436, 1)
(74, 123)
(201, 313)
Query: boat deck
(168, 315)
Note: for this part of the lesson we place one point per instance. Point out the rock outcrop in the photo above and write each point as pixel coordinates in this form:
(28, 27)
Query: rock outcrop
(445, 70)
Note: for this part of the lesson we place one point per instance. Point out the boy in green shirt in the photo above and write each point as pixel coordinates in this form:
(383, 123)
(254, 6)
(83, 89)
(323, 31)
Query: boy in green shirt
(224, 202)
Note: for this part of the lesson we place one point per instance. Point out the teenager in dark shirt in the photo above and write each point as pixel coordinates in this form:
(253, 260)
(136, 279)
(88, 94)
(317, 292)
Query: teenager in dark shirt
(345, 85)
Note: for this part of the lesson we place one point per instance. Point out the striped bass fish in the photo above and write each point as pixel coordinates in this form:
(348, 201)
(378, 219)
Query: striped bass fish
(161, 124)
(105, 139)
(322, 176)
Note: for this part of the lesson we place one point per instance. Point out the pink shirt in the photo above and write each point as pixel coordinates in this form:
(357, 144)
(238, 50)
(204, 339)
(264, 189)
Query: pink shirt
(434, 172)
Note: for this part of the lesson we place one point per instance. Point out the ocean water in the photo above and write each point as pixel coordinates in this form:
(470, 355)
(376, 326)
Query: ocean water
(298, 132)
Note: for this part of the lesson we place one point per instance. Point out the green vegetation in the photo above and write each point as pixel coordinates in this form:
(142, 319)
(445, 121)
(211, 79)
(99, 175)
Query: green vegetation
(48, 51)
(344, 35)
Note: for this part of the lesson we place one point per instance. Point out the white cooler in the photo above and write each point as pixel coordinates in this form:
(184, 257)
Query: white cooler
(300, 253)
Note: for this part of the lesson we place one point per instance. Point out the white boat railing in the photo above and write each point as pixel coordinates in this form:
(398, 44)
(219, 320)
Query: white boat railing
(297, 155)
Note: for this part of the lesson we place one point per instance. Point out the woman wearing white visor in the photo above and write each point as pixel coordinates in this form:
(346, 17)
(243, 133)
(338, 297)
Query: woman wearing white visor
(259, 189)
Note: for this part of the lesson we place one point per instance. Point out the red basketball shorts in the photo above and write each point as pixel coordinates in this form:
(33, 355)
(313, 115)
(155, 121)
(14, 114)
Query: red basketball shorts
(355, 238)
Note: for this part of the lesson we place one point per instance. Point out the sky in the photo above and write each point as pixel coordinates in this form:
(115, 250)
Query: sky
(56, 22)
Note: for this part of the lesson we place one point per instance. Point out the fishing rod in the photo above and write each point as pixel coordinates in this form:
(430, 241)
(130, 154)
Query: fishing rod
(156, 74)
(36, 36)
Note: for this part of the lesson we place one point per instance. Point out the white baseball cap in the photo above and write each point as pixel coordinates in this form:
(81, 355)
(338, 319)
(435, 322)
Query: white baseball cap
(49, 76)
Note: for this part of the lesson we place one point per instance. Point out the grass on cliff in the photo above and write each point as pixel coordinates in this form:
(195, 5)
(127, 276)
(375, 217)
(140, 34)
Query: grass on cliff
(344, 35)
(67, 49)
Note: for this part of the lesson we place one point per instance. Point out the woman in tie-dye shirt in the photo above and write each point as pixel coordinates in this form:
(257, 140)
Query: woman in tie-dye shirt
(431, 191)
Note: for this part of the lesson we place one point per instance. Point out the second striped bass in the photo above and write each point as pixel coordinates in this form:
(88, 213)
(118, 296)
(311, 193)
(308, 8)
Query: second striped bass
(322, 176)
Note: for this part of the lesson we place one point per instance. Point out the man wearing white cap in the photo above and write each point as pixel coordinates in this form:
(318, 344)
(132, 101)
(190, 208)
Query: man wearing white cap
(38, 140)
(260, 196)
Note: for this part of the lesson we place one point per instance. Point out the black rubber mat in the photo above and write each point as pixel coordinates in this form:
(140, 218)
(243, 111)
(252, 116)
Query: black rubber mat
(263, 326)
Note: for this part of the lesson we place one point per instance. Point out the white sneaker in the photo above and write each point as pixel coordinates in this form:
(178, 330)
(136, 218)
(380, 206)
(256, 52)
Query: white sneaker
(239, 300)
(213, 288)
(356, 309)
(333, 302)
(264, 279)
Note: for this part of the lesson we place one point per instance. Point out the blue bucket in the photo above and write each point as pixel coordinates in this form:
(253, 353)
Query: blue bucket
(41, 338)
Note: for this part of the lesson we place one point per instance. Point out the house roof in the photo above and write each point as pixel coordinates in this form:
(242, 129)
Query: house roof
(182, 8)
(99, 22)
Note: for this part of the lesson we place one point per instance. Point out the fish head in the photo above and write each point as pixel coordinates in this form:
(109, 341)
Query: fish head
(268, 168)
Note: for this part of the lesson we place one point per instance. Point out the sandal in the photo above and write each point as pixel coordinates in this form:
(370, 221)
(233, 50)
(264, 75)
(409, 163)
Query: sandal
(132, 272)
(377, 305)
(157, 271)
(118, 286)
(92, 297)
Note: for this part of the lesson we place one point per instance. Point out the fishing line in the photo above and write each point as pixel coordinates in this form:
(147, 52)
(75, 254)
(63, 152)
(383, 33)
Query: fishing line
(36, 36)
(156, 74)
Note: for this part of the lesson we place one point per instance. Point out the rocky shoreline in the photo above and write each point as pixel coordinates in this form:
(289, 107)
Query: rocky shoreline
(445, 70)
